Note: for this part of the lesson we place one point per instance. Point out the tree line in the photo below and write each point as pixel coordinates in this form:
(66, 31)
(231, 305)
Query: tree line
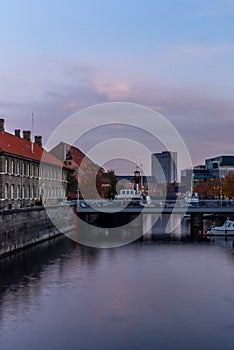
(92, 184)
(216, 188)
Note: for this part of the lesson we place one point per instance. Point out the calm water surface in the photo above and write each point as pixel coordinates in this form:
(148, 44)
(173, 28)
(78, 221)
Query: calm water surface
(155, 293)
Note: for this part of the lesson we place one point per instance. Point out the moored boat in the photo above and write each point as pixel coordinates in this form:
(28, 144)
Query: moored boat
(226, 229)
(129, 197)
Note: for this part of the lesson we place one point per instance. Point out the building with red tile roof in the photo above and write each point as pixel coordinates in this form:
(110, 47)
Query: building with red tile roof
(75, 160)
(29, 175)
(71, 156)
(82, 166)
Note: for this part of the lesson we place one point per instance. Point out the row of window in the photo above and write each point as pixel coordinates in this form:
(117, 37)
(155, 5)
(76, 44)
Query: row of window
(23, 192)
(26, 169)
(18, 168)
(17, 192)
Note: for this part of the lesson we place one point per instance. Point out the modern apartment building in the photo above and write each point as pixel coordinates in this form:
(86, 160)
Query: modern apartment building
(220, 166)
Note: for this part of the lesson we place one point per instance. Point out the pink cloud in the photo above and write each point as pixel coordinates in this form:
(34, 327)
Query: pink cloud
(64, 86)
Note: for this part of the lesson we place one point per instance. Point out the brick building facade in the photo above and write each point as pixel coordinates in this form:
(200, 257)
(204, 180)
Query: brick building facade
(29, 175)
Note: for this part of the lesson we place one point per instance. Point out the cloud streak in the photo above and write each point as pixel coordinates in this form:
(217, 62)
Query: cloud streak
(60, 87)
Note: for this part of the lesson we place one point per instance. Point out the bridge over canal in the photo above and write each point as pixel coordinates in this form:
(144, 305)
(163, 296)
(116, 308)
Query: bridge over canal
(115, 214)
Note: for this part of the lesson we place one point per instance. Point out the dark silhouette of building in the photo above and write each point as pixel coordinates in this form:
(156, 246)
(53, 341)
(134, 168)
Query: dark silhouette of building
(164, 167)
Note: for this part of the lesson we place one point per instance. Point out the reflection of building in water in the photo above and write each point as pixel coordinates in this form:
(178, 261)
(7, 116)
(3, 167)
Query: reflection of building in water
(164, 167)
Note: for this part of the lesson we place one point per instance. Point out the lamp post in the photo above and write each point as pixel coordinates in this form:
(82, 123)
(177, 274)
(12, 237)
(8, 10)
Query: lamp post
(137, 180)
(78, 195)
(221, 196)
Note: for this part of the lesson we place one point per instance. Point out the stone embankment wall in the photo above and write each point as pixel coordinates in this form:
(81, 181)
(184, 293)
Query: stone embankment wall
(21, 228)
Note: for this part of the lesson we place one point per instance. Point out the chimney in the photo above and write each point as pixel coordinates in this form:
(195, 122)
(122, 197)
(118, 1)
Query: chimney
(27, 135)
(38, 140)
(2, 125)
(17, 132)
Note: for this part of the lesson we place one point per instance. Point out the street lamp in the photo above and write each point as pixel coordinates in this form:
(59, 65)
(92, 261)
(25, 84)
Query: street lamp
(221, 196)
(137, 180)
(78, 195)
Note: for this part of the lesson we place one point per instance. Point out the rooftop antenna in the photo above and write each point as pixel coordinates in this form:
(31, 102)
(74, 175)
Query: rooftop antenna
(32, 145)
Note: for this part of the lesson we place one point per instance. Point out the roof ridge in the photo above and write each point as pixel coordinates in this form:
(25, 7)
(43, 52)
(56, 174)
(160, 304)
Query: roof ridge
(19, 146)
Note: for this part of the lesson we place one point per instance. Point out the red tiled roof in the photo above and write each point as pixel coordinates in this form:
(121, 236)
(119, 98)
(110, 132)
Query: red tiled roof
(19, 146)
(77, 155)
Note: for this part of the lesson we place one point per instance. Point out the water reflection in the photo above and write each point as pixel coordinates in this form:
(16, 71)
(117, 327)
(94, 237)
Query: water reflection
(141, 227)
(227, 242)
(158, 292)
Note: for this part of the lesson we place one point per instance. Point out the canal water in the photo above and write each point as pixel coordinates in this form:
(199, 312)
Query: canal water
(160, 292)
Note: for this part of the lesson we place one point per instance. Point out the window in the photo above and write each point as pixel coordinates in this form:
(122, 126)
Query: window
(25, 169)
(18, 168)
(12, 191)
(18, 192)
(6, 165)
(12, 167)
(29, 192)
(34, 194)
(23, 192)
(6, 191)
(28, 170)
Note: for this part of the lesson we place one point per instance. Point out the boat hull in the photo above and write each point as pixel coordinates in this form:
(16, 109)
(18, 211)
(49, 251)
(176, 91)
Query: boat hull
(220, 232)
(227, 229)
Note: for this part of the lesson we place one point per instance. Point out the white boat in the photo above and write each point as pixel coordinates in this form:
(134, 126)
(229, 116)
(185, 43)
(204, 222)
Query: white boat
(226, 229)
(192, 198)
(129, 197)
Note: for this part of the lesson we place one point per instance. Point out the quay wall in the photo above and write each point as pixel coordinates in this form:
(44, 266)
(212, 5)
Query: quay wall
(21, 228)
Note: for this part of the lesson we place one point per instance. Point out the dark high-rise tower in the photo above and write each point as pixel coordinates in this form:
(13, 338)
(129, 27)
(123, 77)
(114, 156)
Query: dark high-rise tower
(164, 167)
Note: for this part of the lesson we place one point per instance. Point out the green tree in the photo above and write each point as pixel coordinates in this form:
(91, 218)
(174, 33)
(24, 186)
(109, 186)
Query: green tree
(112, 178)
(228, 185)
(91, 181)
(208, 189)
(71, 183)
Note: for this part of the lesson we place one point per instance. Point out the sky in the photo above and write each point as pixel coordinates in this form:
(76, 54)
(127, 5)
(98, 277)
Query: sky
(174, 56)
